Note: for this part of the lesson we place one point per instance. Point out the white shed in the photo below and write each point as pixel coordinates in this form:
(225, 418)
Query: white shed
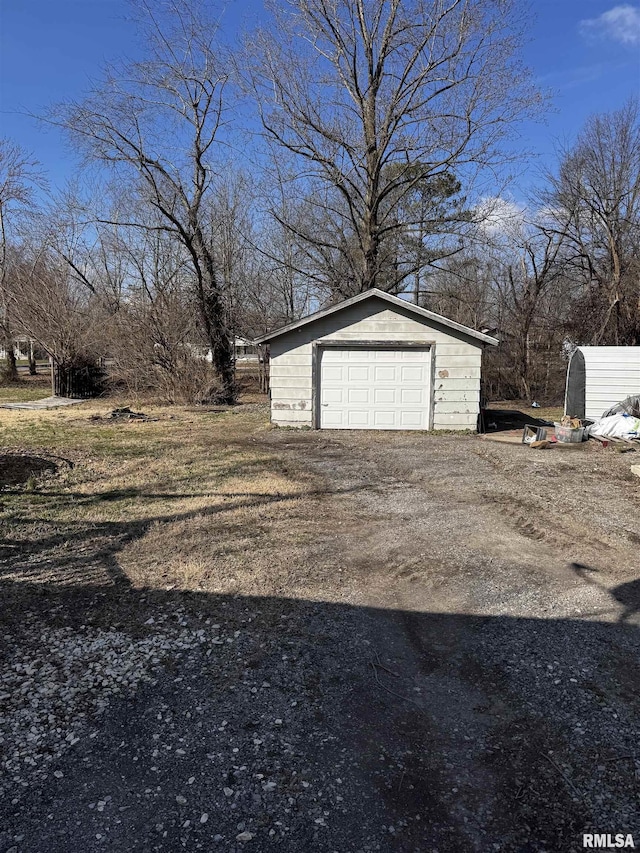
(376, 362)
(600, 377)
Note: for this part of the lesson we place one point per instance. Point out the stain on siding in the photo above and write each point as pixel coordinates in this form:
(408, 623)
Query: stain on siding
(301, 404)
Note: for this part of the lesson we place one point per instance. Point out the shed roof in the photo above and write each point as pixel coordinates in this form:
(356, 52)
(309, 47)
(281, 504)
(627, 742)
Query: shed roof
(386, 297)
(620, 357)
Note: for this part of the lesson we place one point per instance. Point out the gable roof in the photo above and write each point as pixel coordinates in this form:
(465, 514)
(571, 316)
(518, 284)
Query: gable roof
(395, 301)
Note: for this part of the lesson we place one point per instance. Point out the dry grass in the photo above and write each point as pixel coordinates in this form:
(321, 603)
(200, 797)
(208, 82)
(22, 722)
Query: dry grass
(26, 388)
(187, 499)
(546, 413)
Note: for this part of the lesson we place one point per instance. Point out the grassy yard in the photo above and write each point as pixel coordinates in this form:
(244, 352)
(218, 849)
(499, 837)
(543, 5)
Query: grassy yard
(25, 389)
(181, 499)
(547, 413)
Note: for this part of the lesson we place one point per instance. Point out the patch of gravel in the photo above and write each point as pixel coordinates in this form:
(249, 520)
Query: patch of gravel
(200, 732)
(55, 688)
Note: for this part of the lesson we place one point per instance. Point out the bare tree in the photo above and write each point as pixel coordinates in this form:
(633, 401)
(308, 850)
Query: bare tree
(376, 98)
(509, 278)
(595, 200)
(80, 228)
(529, 285)
(53, 309)
(155, 345)
(463, 289)
(290, 277)
(159, 120)
(19, 174)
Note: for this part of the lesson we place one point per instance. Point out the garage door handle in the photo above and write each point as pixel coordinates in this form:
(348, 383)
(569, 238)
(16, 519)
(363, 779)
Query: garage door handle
(324, 404)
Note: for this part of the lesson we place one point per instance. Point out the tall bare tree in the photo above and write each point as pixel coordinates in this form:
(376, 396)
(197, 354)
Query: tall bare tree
(159, 121)
(595, 200)
(529, 286)
(19, 175)
(363, 92)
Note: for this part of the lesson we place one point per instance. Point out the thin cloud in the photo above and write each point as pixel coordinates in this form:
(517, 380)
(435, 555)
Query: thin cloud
(498, 217)
(621, 24)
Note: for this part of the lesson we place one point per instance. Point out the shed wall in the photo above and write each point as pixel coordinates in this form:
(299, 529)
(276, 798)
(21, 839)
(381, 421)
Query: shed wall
(611, 375)
(456, 389)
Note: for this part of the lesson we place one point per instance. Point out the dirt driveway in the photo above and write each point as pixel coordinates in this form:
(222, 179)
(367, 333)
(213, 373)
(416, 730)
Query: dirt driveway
(435, 649)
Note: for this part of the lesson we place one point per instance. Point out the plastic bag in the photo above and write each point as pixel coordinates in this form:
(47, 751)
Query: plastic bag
(616, 426)
(630, 406)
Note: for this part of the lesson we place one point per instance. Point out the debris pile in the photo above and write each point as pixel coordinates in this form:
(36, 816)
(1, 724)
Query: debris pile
(125, 414)
(629, 406)
(620, 427)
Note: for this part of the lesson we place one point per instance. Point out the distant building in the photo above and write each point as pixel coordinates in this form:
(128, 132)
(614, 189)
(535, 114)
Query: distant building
(21, 347)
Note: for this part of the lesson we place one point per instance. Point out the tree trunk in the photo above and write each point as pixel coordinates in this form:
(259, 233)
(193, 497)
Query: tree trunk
(11, 368)
(263, 369)
(525, 363)
(370, 263)
(371, 236)
(214, 320)
(32, 359)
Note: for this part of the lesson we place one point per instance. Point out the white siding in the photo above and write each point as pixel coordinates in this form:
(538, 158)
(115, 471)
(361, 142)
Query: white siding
(456, 372)
(611, 374)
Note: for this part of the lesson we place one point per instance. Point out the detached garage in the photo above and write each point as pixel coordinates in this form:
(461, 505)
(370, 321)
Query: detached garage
(376, 362)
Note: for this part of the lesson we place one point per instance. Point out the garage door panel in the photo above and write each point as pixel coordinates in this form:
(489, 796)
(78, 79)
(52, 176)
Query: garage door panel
(358, 395)
(332, 418)
(412, 374)
(387, 373)
(384, 419)
(332, 373)
(358, 417)
(411, 419)
(383, 396)
(333, 356)
(381, 388)
(332, 395)
(414, 396)
(357, 374)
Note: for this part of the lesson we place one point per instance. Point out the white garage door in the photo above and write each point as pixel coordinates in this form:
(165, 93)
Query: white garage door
(374, 388)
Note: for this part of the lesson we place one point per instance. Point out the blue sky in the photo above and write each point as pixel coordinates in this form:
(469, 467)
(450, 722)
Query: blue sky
(586, 51)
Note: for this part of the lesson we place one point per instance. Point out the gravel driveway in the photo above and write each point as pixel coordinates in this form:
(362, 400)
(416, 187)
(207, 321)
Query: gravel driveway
(456, 670)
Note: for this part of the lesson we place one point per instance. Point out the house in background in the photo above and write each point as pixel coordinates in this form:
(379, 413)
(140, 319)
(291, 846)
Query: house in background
(245, 350)
(22, 347)
(376, 362)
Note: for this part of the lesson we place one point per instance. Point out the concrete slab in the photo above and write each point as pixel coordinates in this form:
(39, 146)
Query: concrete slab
(46, 403)
(514, 436)
(505, 437)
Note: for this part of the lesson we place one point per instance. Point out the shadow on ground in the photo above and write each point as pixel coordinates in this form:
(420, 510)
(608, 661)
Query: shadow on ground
(625, 594)
(309, 726)
(503, 420)
(18, 468)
